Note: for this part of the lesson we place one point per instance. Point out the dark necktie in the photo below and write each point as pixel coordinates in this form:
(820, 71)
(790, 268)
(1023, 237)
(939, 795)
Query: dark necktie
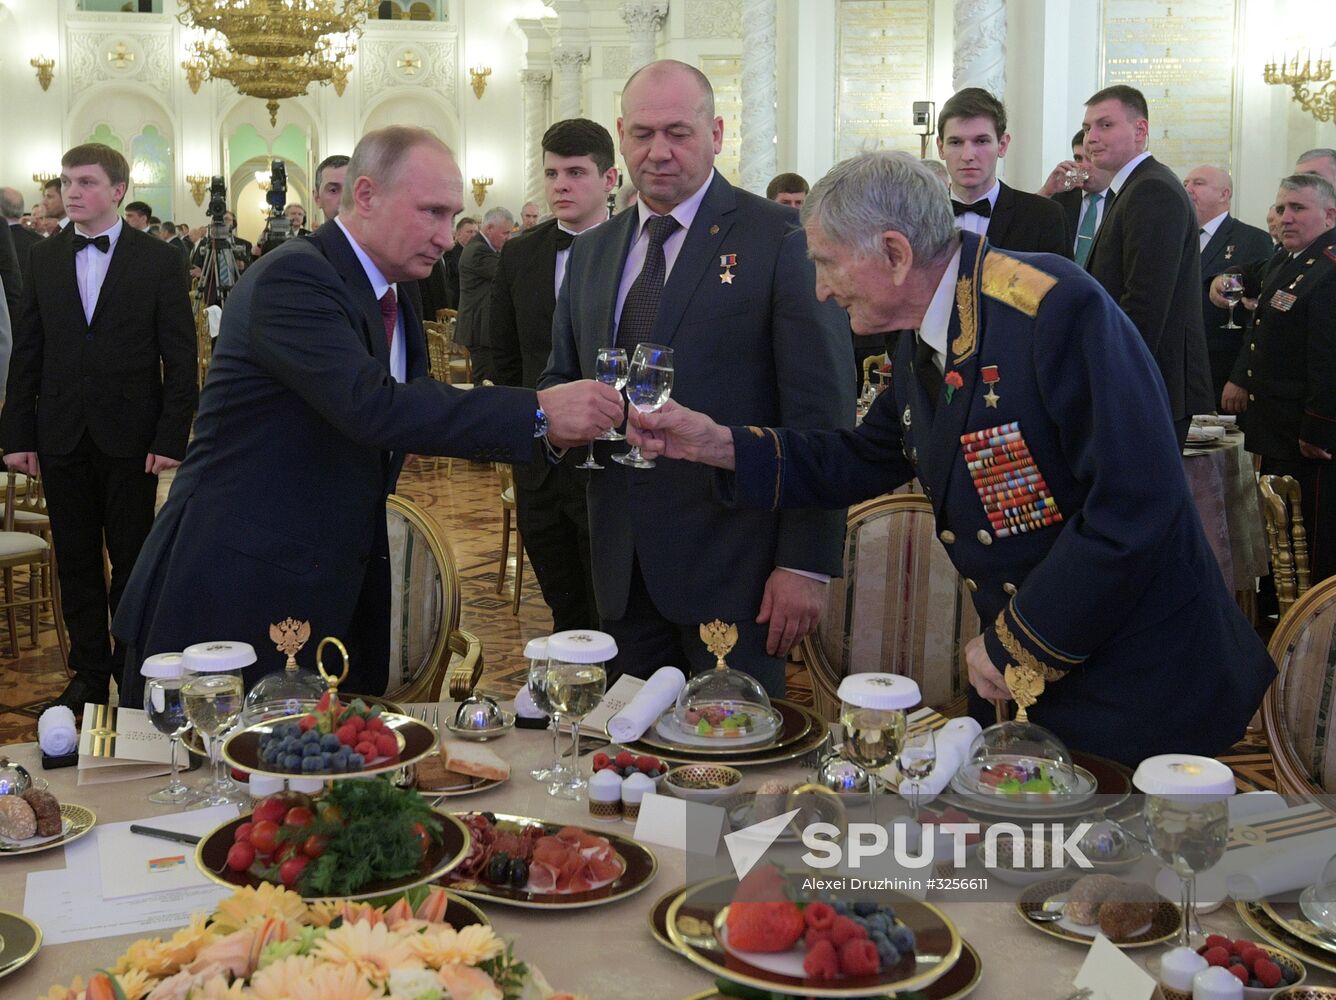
(389, 314)
(926, 370)
(564, 240)
(981, 207)
(102, 242)
(641, 307)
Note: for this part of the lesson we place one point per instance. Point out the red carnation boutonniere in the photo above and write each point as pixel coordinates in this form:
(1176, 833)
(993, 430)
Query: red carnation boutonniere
(953, 382)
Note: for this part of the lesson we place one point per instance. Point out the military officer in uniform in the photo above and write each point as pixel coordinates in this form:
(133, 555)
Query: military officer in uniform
(1035, 416)
(1285, 378)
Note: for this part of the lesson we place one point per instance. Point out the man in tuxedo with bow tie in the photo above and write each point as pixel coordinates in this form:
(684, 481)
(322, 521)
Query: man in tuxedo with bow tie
(578, 175)
(972, 138)
(101, 393)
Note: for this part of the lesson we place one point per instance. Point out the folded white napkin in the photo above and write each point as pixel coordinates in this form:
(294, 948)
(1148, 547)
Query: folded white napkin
(1283, 865)
(1215, 420)
(651, 701)
(1213, 432)
(953, 746)
(55, 731)
(215, 315)
(524, 706)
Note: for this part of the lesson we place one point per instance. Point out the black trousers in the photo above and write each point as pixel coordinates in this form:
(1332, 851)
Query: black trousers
(1317, 487)
(554, 520)
(647, 641)
(92, 497)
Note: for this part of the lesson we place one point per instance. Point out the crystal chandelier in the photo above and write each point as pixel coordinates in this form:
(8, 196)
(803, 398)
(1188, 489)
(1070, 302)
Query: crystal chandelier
(275, 49)
(1311, 80)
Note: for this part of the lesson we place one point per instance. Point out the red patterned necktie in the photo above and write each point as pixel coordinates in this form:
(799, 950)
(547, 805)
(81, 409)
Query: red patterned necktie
(389, 313)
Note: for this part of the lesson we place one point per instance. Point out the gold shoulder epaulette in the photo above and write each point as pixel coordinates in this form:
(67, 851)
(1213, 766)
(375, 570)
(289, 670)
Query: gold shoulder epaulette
(1014, 282)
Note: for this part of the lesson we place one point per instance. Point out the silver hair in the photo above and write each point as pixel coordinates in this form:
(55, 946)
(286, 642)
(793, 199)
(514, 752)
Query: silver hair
(1320, 153)
(868, 194)
(381, 154)
(1313, 182)
(495, 215)
(11, 204)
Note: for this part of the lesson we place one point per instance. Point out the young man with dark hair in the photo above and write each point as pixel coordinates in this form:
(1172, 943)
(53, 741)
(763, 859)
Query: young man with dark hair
(1146, 253)
(578, 175)
(52, 204)
(972, 137)
(139, 215)
(329, 177)
(101, 394)
(787, 189)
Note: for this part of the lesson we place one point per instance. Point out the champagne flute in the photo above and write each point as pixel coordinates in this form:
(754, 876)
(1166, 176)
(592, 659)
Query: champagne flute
(648, 386)
(872, 713)
(213, 701)
(611, 367)
(1231, 290)
(164, 708)
(918, 757)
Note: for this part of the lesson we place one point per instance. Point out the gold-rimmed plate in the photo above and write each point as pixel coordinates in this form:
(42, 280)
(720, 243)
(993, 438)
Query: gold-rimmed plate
(458, 784)
(441, 856)
(1113, 786)
(938, 947)
(1047, 896)
(796, 722)
(416, 740)
(194, 744)
(1291, 917)
(76, 821)
(1280, 935)
(638, 870)
(813, 738)
(19, 940)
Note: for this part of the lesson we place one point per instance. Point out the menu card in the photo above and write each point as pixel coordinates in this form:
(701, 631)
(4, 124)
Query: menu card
(120, 744)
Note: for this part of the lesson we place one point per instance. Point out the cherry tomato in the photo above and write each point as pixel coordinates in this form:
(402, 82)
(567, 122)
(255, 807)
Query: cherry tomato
(314, 845)
(331, 812)
(243, 833)
(298, 816)
(263, 836)
(289, 870)
(272, 808)
(423, 838)
(240, 856)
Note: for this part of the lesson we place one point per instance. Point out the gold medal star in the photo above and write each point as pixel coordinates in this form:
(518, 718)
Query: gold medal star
(726, 277)
(990, 398)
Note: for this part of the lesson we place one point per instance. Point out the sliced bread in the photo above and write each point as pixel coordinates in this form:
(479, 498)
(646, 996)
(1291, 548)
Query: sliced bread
(474, 759)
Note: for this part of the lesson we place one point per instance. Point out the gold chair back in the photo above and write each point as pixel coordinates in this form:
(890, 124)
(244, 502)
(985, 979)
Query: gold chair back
(438, 350)
(426, 643)
(31, 499)
(1299, 706)
(874, 361)
(1286, 538)
(203, 346)
(444, 314)
(901, 607)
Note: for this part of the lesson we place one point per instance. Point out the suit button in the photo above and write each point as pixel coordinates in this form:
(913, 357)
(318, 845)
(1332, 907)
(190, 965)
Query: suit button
(948, 537)
(1008, 588)
(971, 584)
(1250, 373)
(1252, 347)
(1251, 396)
(984, 537)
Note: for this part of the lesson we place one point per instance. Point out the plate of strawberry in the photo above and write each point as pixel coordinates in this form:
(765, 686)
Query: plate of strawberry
(770, 934)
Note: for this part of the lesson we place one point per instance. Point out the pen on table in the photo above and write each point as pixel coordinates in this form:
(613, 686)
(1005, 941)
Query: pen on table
(151, 831)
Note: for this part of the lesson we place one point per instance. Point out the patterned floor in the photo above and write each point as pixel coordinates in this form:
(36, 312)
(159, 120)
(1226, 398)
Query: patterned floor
(464, 500)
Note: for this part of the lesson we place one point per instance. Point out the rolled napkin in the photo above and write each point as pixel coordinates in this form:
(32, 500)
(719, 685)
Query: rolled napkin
(1209, 432)
(651, 701)
(953, 747)
(56, 733)
(1280, 863)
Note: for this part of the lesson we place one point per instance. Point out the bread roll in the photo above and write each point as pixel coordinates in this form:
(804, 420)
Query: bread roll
(47, 810)
(1085, 897)
(1127, 909)
(17, 820)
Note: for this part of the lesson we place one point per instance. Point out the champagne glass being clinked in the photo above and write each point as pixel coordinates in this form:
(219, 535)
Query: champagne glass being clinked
(648, 386)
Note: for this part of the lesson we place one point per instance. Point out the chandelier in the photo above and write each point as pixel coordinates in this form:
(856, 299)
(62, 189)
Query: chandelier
(274, 49)
(1303, 74)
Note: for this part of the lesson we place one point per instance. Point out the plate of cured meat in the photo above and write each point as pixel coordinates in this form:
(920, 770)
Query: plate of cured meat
(521, 861)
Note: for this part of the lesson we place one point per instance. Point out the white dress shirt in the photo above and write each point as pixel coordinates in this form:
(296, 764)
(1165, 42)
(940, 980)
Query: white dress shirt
(685, 214)
(564, 255)
(972, 221)
(90, 267)
(379, 285)
(936, 322)
(1208, 230)
(1120, 178)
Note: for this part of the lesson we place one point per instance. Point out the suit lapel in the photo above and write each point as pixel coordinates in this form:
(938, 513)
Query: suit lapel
(545, 271)
(1109, 210)
(1215, 246)
(624, 228)
(1004, 212)
(699, 248)
(415, 342)
(121, 258)
(340, 253)
(67, 281)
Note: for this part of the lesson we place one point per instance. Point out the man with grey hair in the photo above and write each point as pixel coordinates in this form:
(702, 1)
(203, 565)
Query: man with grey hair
(529, 216)
(477, 268)
(11, 211)
(1320, 161)
(1285, 377)
(317, 390)
(1030, 409)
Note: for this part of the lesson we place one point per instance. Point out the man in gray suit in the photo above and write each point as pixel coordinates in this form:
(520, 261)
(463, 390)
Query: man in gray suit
(722, 277)
(477, 268)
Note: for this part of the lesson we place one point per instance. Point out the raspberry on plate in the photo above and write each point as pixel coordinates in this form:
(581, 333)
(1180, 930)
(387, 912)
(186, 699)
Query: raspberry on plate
(822, 961)
(819, 915)
(1240, 972)
(1267, 972)
(647, 763)
(859, 958)
(1217, 955)
(1219, 940)
(843, 929)
(626, 759)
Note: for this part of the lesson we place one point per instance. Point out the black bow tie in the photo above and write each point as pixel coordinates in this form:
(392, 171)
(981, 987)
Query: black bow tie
(564, 240)
(102, 242)
(981, 207)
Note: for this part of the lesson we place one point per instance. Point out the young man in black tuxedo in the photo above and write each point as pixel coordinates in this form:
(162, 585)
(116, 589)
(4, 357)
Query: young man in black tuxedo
(578, 175)
(101, 393)
(972, 138)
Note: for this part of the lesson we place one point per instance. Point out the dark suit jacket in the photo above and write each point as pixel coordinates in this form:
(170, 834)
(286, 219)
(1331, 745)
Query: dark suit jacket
(1070, 203)
(279, 507)
(477, 267)
(128, 378)
(760, 349)
(450, 264)
(1028, 222)
(433, 291)
(1147, 256)
(1235, 244)
(1116, 592)
(11, 272)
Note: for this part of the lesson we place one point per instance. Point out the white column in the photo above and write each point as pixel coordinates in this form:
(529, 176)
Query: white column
(980, 46)
(757, 155)
(643, 19)
(534, 83)
(570, 85)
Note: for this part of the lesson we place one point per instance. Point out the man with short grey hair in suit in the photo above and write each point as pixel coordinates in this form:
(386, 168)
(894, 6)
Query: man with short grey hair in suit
(477, 268)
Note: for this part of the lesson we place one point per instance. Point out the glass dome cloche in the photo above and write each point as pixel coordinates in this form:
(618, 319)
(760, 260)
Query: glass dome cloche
(1318, 901)
(290, 691)
(1021, 761)
(723, 703)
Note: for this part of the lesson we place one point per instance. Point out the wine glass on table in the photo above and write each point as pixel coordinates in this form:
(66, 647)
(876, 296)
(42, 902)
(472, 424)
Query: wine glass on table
(1231, 290)
(918, 758)
(577, 676)
(1187, 818)
(556, 771)
(164, 675)
(213, 695)
(610, 368)
(648, 386)
(872, 715)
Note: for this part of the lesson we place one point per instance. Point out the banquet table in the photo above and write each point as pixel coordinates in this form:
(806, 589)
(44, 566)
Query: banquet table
(1224, 488)
(605, 952)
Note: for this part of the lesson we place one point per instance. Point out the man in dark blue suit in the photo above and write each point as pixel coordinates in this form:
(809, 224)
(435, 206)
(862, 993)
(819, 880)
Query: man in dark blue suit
(1032, 412)
(317, 389)
(721, 277)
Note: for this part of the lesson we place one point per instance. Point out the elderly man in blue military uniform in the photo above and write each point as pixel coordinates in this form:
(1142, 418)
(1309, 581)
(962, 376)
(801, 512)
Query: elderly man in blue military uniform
(1037, 421)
